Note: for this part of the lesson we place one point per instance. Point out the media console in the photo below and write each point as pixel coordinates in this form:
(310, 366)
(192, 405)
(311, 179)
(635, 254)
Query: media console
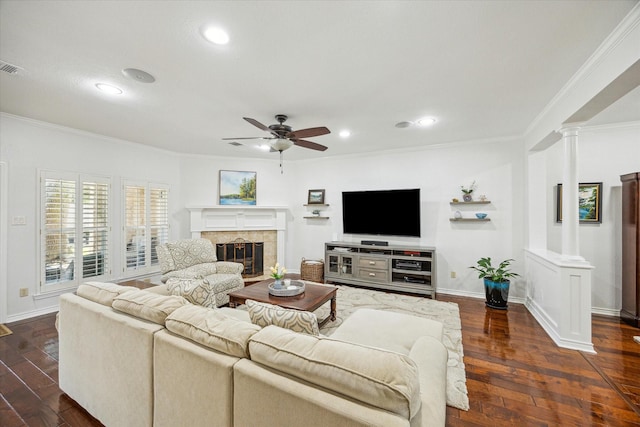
(399, 268)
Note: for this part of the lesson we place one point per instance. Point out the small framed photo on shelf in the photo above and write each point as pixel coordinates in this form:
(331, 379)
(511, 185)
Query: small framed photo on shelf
(589, 202)
(316, 197)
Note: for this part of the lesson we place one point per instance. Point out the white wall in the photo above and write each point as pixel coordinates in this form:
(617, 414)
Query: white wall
(604, 153)
(438, 172)
(28, 146)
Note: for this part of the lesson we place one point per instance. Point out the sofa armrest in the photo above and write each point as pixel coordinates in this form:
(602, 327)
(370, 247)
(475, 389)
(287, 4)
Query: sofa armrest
(227, 267)
(431, 356)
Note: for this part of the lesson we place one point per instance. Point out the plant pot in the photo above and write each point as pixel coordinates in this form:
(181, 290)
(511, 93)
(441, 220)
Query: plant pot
(467, 197)
(497, 294)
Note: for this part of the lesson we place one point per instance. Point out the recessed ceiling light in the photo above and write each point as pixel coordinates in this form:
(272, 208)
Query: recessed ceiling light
(426, 121)
(345, 133)
(111, 90)
(216, 35)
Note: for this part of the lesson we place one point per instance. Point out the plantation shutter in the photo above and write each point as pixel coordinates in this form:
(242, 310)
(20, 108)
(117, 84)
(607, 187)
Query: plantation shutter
(159, 220)
(59, 230)
(75, 230)
(135, 226)
(95, 228)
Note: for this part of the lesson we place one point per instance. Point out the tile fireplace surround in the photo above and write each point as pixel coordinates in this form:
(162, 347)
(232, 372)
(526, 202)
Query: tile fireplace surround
(224, 224)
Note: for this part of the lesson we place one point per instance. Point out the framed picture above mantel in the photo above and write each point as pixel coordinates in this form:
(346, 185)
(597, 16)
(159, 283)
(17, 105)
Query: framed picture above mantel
(589, 202)
(237, 188)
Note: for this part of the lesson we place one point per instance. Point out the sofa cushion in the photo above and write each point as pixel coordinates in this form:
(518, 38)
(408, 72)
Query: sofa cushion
(102, 292)
(383, 379)
(263, 314)
(188, 252)
(194, 272)
(147, 305)
(387, 330)
(165, 259)
(212, 329)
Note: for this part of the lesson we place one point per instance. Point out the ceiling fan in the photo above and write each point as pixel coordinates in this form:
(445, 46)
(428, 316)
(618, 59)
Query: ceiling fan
(282, 137)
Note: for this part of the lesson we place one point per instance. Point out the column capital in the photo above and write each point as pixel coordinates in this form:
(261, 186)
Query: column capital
(570, 129)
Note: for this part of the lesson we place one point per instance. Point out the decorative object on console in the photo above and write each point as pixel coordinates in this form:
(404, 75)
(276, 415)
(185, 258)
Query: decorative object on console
(589, 202)
(496, 281)
(316, 197)
(237, 188)
(467, 191)
(457, 214)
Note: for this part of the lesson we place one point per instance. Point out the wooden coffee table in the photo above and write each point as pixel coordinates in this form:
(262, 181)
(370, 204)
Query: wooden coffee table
(310, 300)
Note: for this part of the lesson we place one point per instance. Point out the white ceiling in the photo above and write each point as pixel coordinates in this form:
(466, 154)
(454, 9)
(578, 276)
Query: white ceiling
(484, 69)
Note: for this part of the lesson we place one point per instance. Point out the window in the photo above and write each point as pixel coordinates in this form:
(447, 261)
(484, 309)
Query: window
(146, 224)
(75, 229)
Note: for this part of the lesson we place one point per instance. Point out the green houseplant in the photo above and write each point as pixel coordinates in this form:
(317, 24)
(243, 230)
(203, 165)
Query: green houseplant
(496, 281)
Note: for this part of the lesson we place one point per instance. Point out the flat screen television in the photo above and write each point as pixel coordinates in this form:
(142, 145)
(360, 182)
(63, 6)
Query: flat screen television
(382, 212)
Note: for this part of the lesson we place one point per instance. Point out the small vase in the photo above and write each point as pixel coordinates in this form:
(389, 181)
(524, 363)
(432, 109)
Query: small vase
(277, 284)
(467, 197)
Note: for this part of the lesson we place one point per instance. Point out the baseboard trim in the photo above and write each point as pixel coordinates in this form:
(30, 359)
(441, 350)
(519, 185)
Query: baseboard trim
(32, 313)
(477, 295)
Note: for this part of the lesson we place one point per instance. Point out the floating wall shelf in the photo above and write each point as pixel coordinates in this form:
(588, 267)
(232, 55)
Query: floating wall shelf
(486, 202)
(469, 219)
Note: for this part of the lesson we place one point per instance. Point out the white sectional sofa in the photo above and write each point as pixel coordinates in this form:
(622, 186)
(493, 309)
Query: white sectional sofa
(140, 358)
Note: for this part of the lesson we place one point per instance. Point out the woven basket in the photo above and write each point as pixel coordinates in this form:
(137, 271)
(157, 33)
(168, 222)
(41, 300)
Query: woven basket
(312, 270)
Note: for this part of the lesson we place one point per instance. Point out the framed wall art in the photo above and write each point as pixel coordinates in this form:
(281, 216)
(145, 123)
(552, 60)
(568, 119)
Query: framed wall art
(237, 188)
(589, 202)
(316, 197)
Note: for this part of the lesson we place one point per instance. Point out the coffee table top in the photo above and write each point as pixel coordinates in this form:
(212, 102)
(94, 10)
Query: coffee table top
(314, 295)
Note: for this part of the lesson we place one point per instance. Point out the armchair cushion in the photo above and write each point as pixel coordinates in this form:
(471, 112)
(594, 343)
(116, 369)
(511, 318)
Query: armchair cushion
(188, 252)
(210, 291)
(197, 271)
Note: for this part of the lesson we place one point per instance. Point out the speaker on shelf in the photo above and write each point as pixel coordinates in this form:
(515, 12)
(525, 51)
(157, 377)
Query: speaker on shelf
(374, 242)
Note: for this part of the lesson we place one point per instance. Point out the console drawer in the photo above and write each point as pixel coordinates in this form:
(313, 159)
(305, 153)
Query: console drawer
(370, 262)
(373, 275)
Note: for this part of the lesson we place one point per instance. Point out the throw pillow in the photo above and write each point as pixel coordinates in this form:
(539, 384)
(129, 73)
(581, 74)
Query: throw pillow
(263, 314)
(196, 291)
(147, 305)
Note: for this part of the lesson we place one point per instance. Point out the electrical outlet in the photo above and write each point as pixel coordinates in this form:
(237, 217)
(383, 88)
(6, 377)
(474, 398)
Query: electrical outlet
(24, 292)
(453, 275)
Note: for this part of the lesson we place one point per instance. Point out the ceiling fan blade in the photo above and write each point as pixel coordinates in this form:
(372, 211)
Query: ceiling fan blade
(309, 132)
(308, 144)
(261, 126)
(251, 137)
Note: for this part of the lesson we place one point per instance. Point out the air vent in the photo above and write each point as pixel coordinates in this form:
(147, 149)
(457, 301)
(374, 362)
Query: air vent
(5, 67)
(235, 144)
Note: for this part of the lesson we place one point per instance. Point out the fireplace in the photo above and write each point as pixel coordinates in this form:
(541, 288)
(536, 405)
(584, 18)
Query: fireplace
(250, 254)
(226, 224)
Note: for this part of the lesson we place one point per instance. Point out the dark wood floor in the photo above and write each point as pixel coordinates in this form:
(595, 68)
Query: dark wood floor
(515, 374)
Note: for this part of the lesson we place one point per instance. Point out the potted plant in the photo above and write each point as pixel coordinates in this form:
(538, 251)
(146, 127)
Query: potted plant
(466, 196)
(496, 281)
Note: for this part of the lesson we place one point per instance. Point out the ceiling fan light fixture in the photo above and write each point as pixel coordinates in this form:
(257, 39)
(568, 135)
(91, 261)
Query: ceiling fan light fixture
(345, 133)
(281, 144)
(215, 35)
(264, 147)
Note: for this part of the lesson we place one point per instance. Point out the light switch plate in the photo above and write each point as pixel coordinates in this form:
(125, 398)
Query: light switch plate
(18, 220)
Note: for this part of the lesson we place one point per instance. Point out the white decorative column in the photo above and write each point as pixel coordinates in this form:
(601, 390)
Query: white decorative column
(570, 220)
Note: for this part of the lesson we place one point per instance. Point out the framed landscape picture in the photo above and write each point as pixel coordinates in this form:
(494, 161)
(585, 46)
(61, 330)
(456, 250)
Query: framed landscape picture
(316, 197)
(237, 188)
(589, 202)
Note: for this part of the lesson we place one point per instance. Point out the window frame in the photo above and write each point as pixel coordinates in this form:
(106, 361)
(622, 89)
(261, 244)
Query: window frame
(149, 266)
(78, 230)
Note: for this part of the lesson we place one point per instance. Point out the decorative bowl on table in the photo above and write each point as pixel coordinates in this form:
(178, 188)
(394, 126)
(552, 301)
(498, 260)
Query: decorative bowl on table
(481, 215)
(295, 287)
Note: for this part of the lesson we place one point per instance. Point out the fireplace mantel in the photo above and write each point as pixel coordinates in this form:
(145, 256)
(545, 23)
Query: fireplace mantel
(240, 218)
